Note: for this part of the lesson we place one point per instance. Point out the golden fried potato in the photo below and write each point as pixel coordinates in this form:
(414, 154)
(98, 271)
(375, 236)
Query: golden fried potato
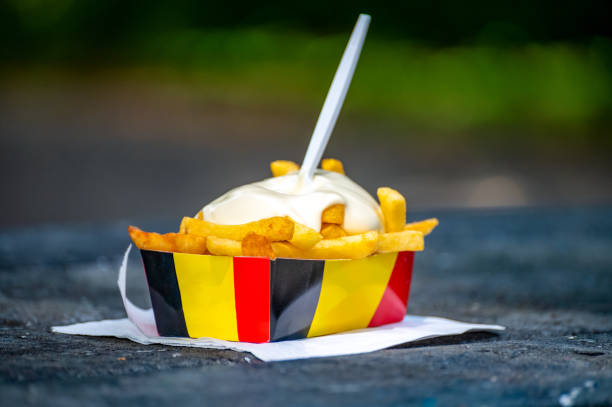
(169, 242)
(304, 237)
(348, 247)
(425, 226)
(331, 164)
(407, 240)
(333, 214)
(183, 226)
(223, 247)
(332, 231)
(288, 251)
(255, 245)
(276, 228)
(393, 206)
(185, 243)
(152, 241)
(283, 167)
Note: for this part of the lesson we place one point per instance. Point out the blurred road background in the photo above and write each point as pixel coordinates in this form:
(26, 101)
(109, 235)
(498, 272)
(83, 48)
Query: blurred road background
(138, 111)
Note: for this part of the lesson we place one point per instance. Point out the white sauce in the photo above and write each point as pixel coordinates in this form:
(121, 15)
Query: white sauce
(283, 196)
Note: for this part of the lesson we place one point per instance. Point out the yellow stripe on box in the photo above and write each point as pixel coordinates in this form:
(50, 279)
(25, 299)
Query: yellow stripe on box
(350, 293)
(207, 293)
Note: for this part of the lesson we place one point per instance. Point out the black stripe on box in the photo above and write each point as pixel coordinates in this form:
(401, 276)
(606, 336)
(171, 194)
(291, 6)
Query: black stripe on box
(295, 286)
(165, 293)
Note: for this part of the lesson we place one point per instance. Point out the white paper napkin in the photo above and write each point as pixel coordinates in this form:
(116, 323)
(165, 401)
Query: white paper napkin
(140, 327)
(412, 328)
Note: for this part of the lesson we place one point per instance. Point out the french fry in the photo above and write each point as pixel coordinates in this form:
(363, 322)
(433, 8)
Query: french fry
(332, 231)
(287, 250)
(407, 240)
(255, 245)
(331, 164)
(283, 167)
(348, 247)
(425, 226)
(333, 214)
(183, 226)
(223, 247)
(185, 243)
(305, 237)
(393, 206)
(169, 242)
(152, 241)
(276, 228)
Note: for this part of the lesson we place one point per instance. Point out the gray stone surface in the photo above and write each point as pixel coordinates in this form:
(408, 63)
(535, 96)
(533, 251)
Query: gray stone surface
(546, 274)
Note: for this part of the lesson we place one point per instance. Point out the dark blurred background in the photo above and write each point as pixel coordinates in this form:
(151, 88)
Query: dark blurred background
(140, 110)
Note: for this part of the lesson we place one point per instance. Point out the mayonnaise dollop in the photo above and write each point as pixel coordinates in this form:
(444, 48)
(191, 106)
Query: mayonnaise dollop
(285, 196)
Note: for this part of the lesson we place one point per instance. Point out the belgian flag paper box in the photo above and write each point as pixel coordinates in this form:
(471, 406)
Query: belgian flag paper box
(255, 299)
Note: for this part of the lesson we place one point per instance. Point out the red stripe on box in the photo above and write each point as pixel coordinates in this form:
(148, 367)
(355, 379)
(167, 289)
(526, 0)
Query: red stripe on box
(252, 293)
(392, 307)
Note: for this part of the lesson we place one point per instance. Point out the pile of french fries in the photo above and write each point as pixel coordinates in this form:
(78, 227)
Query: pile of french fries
(283, 237)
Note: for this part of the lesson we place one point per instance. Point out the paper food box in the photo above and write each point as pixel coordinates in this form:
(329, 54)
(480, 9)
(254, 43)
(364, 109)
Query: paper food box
(255, 299)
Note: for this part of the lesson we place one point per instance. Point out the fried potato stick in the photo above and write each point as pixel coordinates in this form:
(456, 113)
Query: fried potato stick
(276, 228)
(333, 214)
(283, 167)
(332, 231)
(223, 247)
(186, 243)
(304, 237)
(288, 251)
(183, 225)
(255, 245)
(169, 242)
(152, 241)
(348, 247)
(393, 206)
(331, 164)
(426, 226)
(407, 240)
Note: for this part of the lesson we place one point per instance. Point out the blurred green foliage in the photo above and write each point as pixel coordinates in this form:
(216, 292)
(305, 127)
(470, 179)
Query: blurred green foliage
(446, 87)
(78, 26)
(445, 65)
